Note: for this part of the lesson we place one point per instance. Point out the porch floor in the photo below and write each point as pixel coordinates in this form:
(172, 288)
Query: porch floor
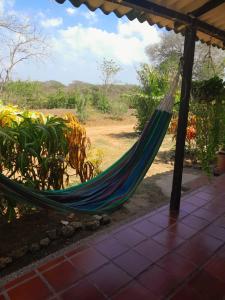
(158, 256)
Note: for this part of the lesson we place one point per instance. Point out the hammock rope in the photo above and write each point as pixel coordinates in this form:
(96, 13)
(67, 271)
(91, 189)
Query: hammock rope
(113, 187)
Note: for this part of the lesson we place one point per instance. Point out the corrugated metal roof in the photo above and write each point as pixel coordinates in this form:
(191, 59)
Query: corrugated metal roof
(208, 16)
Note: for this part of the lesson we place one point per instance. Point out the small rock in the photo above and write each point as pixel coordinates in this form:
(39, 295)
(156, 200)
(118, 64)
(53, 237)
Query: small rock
(34, 247)
(52, 234)
(97, 217)
(67, 231)
(92, 225)
(4, 261)
(76, 225)
(20, 252)
(105, 219)
(45, 242)
(71, 216)
(64, 222)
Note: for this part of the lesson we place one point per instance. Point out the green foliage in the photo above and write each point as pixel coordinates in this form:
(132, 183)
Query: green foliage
(118, 110)
(54, 95)
(209, 108)
(39, 151)
(209, 90)
(100, 101)
(26, 93)
(153, 88)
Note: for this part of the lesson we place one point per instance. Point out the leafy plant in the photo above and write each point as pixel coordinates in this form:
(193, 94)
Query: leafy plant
(153, 87)
(39, 150)
(100, 101)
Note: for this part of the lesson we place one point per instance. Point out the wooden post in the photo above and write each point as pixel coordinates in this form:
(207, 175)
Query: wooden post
(188, 59)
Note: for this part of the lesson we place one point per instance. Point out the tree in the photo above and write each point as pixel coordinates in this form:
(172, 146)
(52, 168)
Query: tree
(165, 55)
(20, 41)
(109, 69)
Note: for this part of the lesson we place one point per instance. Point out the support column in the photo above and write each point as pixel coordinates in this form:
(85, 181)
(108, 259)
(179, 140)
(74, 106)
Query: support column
(188, 59)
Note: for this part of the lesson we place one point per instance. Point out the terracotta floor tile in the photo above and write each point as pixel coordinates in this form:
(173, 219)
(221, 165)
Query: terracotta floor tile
(175, 215)
(205, 214)
(162, 220)
(151, 249)
(76, 250)
(214, 208)
(111, 247)
(158, 281)
(204, 195)
(216, 268)
(199, 202)
(182, 230)
(132, 262)
(177, 265)
(208, 286)
(193, 253)
(34, 289)
(220, 221)
(186, 293)
(194, 222)
(199, 249)
(215, 231)
(51, 263)
(109, 279)
(62, 276)
(147, 228)
(188, 207)
(209, 189)
(88, 260)
(206, 242)
(221, 252)
(98, 239)
(168, 239)
(84, 290)
(129, 237)
(20, 279)
(135, 291)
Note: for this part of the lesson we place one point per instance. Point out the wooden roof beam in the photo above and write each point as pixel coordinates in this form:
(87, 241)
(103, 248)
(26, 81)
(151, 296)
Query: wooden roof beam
(153, 8)
(210, 5)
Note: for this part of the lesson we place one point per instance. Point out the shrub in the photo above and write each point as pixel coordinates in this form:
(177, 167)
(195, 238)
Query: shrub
(153, 88)
(38, 150)
(100, 101)
(118, 109)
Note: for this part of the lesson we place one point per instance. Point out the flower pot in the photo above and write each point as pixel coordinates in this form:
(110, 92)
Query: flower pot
(220, 166)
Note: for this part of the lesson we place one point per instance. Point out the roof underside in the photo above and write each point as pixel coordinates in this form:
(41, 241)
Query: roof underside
(207, 16)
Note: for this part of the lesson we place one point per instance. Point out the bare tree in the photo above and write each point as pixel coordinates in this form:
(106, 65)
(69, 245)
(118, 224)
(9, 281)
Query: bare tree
(209, 61)
(21, 42)
(109, 69)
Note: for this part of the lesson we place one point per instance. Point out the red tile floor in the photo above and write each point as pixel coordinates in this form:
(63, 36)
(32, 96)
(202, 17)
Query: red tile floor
(158, 256)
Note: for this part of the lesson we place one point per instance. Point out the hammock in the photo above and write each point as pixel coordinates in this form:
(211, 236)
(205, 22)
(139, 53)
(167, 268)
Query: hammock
(113, 187)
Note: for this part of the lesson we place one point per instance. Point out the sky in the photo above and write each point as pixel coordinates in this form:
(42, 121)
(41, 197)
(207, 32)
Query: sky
(80, 39)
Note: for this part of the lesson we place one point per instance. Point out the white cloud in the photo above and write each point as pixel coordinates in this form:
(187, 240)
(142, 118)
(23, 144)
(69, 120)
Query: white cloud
(1, 7)
(52, 22)
(90, 16)
(76, 51)
(6, 4)
(126, 45)
(70, 11)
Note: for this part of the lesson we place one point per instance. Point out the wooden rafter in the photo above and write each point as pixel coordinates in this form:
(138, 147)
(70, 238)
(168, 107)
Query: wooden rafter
(210, 5)
(153, 8)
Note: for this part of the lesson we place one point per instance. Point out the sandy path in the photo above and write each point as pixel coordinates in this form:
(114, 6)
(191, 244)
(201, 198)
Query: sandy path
(115, 140)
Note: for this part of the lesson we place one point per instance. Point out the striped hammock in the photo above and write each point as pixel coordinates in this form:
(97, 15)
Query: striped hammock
(113, 187)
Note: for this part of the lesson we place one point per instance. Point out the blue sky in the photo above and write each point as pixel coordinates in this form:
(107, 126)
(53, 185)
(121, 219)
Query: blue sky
(80, 39)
